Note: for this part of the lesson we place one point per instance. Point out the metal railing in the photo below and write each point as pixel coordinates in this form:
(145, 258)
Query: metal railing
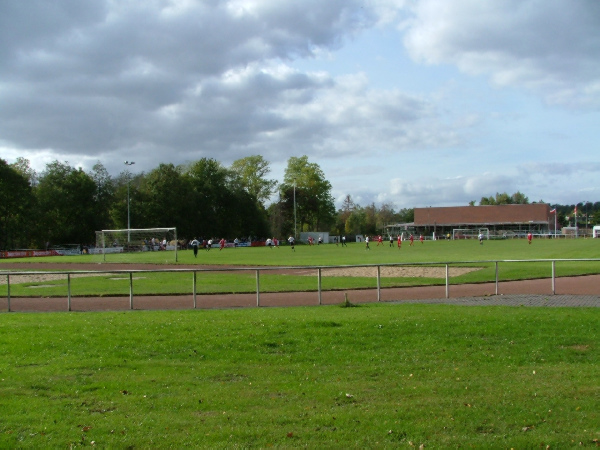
(319, 270)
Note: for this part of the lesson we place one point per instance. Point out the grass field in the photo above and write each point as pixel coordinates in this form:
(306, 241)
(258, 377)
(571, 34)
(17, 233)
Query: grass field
(460, 253)
(374, 376)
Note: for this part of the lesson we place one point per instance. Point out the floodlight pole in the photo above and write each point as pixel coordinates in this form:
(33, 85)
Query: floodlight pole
(295, 230)
(128, 163)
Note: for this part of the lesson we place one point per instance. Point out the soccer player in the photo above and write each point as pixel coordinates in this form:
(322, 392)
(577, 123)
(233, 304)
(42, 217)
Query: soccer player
(399, 241)
(379, 241)
(480, 238)
(529, 237)
(421, 238)
(292, 242)
(391, 240)
(344, 241)
(367, 243)
(209, 245)
(195, 245)
(221, 244)
(412, 240)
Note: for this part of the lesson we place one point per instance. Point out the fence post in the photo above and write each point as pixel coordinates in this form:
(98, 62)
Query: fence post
(130, 290)
(257, 287)
(496, 277)
(69, 290)
(553, 277)
(319, 284)
(8, 290)
(447, 282)
(194, 285)
(378, 283)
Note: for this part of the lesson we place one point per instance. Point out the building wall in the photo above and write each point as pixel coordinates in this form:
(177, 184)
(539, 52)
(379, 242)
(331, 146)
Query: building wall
(537, 213)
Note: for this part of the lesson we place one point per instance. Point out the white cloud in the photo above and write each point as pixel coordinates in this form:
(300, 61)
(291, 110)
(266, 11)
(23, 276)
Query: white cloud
(547, 46)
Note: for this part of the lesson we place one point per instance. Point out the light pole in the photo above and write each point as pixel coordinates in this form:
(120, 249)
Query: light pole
(295, 231)
(128, 163)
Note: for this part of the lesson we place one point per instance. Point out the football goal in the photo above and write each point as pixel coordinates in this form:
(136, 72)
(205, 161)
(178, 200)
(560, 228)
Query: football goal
(470, 233)
(127, 241)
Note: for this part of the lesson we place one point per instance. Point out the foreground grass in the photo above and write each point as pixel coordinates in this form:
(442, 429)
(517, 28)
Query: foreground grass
(376, 376)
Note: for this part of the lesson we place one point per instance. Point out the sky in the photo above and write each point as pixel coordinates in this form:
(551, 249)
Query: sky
(409, 103)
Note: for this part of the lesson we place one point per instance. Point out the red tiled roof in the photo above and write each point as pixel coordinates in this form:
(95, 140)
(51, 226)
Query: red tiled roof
(480, 215)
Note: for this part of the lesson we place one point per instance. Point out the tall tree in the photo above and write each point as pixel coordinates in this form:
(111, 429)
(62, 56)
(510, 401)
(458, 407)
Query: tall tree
(356, 223)
(22, 165)
(314, 203)
(166, 191)
(520, 199)
(18, 214)
(252, 172)
(207, 179)
(104, 196)
(371, 219)
(66, 198)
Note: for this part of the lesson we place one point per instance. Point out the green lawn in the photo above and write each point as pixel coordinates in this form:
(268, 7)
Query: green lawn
(460, 253)
(374, 376)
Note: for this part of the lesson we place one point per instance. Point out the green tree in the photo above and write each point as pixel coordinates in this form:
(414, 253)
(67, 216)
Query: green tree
(406, 215)
(252, 172)
(504, 199)
(314, 203)
(520, 199)
(67, 204)
(18, 214)
(385, 215)
(22, 165)
(103, 197)
(356, 221)
(165, 192)
(207, 180)
(370, 226)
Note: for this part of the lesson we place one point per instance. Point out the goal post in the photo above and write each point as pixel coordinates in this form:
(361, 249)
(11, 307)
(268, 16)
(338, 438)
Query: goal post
(470, 233)
(127, 241)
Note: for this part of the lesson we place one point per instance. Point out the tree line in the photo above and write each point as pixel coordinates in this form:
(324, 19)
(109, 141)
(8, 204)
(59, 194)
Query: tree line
(67, 205)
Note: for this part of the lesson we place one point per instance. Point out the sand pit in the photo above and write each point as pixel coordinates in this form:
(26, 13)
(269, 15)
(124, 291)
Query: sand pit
(395, 272)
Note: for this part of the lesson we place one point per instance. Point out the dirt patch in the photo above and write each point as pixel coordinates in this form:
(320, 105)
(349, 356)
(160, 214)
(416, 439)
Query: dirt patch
(398, 272)
(45, 277)
(388, 272)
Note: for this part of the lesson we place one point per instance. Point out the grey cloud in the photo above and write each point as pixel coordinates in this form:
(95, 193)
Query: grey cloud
(99, 76)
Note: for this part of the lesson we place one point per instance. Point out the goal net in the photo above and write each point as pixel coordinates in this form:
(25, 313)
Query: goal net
(470, 233)
(116, 244)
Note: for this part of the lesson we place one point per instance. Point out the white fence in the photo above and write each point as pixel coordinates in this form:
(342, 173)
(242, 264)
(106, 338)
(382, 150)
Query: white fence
(318, 269)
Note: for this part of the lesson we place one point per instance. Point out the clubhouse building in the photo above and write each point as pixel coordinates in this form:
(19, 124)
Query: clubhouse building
(495, 221)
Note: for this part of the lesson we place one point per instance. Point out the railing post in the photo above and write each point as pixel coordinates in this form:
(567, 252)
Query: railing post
(69, 290)
(553, 277)
(496, 277)
(194, 287)
(319, 284)
(8, 291)
(378, 283)
(447, 282)
(257, 287)
(130, 290)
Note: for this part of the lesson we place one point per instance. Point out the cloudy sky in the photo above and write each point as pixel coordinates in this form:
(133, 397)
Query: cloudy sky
(407, 102)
